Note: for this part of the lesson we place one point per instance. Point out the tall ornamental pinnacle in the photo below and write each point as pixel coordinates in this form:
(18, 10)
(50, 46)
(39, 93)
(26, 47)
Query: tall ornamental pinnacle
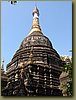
(2, 65)
(35, 23)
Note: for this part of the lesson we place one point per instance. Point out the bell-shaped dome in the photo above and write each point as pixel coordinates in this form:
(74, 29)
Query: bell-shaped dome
(36, 39)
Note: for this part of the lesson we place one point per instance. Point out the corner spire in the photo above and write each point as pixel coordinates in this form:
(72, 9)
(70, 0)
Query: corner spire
(35, 23)
(2, 67)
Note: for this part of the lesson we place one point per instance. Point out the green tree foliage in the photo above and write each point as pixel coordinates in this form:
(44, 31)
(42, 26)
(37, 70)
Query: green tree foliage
(70, 84)
(68, 69)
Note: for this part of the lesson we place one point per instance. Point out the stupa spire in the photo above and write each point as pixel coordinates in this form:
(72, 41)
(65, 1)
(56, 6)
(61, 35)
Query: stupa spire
(35, 23)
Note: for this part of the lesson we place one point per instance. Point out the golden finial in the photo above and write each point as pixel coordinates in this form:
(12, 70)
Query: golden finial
(35, 10)
(35, 23)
